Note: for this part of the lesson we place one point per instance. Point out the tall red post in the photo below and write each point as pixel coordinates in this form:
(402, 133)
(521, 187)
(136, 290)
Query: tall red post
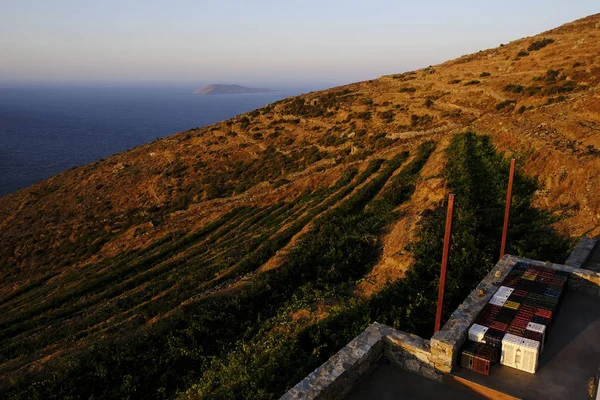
(507, 209)
(445, 255)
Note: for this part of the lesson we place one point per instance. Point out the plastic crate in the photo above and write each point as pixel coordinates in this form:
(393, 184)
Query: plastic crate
(540, 333)
(557, 282)
(513, 305)
(478, 357)
(504, 291)
(531, 354)
(487, 314)
(515, 330)
(510, 345)
(520, 266)
(481, 365)
(501, 326)
(506, 315)
(493, 337)
(523, 284)
(529, 276)
(521, 323)
(497, 300)
(477, 333)
(490, 310)
(537, 319)
(520, 353)
(545, 309)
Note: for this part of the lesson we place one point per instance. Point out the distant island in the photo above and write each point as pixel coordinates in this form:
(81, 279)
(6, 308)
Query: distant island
(229, 89)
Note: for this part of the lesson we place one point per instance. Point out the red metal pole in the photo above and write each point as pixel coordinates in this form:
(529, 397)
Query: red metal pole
(507, 209)
(445, 255)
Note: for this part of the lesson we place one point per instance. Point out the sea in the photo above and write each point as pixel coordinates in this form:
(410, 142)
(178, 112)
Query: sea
(47, 130)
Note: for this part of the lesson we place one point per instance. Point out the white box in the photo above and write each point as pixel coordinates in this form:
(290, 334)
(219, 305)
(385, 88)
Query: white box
(532, 326)
(520, 353)
(497, 300)
(529, 357)
(504, 291)
(510, 345)
(477, 332)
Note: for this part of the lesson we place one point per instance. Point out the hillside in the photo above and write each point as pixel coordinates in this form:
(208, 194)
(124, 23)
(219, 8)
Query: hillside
(228, 89)
(232, 259)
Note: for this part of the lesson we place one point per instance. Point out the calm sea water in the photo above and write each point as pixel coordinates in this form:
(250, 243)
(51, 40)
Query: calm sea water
(44, 131)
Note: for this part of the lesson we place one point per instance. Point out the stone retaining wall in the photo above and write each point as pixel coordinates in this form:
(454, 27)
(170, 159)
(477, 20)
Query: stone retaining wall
(410, 352)
(582, 252)
(445, 344)
(338, 375)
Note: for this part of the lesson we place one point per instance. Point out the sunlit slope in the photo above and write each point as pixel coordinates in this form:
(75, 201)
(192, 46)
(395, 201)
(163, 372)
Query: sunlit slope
(126, 277)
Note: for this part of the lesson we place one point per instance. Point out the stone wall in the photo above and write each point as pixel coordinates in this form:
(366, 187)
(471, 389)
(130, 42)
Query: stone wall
(445, 344)
(410, 352)
(582, 252)
(338, 375)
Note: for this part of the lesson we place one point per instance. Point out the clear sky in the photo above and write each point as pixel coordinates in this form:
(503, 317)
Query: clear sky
(269, 42)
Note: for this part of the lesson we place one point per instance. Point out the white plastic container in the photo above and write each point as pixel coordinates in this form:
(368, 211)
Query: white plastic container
(532, 326)
(520, 353)
(531, 352)
(510, 346)
(504, 291)
(477, 332)
(498, 300)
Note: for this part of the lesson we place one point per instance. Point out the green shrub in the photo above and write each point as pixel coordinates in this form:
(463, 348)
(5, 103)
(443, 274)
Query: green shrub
(472, 82)
(387, 116)
(420, 120)
(514, 88)
(558, 99)
(484, 74)
(408, 89)
(540, 44)
(504, 104)
(365, 115)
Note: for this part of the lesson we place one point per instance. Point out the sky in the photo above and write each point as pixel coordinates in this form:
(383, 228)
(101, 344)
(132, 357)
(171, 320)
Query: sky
(256, 42)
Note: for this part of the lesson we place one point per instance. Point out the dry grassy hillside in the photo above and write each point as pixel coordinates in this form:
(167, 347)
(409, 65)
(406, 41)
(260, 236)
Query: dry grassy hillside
(115, 247)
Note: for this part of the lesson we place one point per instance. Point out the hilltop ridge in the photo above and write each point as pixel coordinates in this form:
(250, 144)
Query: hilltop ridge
(229, 89)
(268, 239)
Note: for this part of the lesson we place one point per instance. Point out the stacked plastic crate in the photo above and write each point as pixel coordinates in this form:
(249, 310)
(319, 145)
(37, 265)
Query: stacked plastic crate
(513, 326)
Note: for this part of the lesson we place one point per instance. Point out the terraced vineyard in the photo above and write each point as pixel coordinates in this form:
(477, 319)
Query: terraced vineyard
(152, 291)
(229, 261)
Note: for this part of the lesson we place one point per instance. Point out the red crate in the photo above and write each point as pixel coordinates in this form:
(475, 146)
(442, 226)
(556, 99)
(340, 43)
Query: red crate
(501, 326)
(541, 312)
(516, 330)
(533, 335)
(527, 308)
(521, 323)
(481, 365)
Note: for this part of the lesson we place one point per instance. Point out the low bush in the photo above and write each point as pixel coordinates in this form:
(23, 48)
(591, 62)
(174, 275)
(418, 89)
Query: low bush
(420, 120)
(540, 44)
(408, 89)
(504, 104)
